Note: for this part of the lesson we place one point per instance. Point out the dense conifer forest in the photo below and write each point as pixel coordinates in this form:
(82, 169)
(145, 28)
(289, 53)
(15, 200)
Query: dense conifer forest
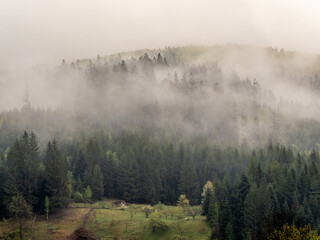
(151, 125)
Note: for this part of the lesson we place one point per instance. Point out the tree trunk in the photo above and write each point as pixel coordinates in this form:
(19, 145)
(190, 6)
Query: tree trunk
(47, 215)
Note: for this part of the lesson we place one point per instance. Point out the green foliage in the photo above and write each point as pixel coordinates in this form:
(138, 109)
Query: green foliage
(189, 182)
(268, 187)
(183, 201)
(156, 223)
(23, 169)
(88, 194)
(97, 183)
(19, 208)
(147, 210)
(46, 205)
(71, 183)
(78, 197)
(56, 177)
(132, 210)
(294, 233)
(207, 201)
(194, 211)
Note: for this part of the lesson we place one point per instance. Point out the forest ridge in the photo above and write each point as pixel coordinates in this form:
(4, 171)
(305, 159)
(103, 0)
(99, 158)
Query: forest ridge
(151, 125)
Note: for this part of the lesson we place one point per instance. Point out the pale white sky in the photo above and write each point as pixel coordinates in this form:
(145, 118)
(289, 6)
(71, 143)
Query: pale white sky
(45, 31)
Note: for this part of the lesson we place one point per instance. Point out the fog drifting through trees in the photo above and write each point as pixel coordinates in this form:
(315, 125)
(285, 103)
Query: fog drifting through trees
(157, 101)
(229, 93)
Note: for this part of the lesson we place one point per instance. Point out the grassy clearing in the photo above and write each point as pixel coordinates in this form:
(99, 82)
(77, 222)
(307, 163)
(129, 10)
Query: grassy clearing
(108, 221)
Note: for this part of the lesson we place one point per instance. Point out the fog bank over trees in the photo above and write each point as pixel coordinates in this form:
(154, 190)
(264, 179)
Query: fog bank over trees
(232, 94)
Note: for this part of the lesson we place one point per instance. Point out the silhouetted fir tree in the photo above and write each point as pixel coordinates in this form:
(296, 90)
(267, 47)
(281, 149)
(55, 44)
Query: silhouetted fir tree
(314, 156)
(314, 196)
(254, 171)
(87, 179)
(229, 232)
(92, 154)
(207, 201)
(171, 178)
(78, 186)
(308, 216)
(270, 205)
(157, 185)
(109, 170)
(56, 177)
(23, 166)
(225, 211)
(97, 183)
(128, 180)
(80, 165)
(303, 183)
(32, 169)
(3, 209)
(189, 182)
(252, 211)
(15, 163)
(290, 185)
(238, 204)
(146, 178)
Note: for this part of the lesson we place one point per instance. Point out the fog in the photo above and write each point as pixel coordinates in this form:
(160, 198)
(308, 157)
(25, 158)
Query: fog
(36, 32)
(233, 71)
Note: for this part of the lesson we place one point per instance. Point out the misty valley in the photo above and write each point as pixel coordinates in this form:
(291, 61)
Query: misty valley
(192, 142)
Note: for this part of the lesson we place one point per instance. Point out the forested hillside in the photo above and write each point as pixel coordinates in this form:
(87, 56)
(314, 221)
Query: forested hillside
(150, 125)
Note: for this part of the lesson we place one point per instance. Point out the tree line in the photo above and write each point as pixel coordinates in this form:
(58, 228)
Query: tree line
(252, 192)
(278, 189)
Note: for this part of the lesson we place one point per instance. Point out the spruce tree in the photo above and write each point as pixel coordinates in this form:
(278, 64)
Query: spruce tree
(207, 200)
(97, 183)
(23, 168)
(56, 177)
(189, 182)
(146, 179)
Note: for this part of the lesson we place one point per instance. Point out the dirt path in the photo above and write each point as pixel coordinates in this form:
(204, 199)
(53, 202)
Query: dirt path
(82, 233)
(86, 218)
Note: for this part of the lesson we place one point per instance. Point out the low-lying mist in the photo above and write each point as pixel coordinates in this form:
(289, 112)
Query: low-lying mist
(230, 94)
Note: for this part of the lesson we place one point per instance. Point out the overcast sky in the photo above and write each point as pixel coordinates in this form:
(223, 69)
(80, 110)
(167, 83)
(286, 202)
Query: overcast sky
(45, 31)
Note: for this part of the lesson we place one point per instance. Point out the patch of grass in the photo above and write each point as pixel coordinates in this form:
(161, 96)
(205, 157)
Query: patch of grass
(108, 221)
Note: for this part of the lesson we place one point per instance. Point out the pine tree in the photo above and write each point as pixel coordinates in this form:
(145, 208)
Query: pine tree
(109, 169)
(146, 179)
(252, 211)
(92, 154)
(229, 232)
(56, 177)
(97, 183)
(207, 201)
(88, 194)
(3, 195)
(128, 176)
(23, 169)
(47, 206)
(189, 182)
(238, 204)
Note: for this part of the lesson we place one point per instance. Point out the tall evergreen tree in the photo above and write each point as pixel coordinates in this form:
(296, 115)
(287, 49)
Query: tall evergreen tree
(97, 183)
(189, 182)
(23, 168)
(56, 177)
